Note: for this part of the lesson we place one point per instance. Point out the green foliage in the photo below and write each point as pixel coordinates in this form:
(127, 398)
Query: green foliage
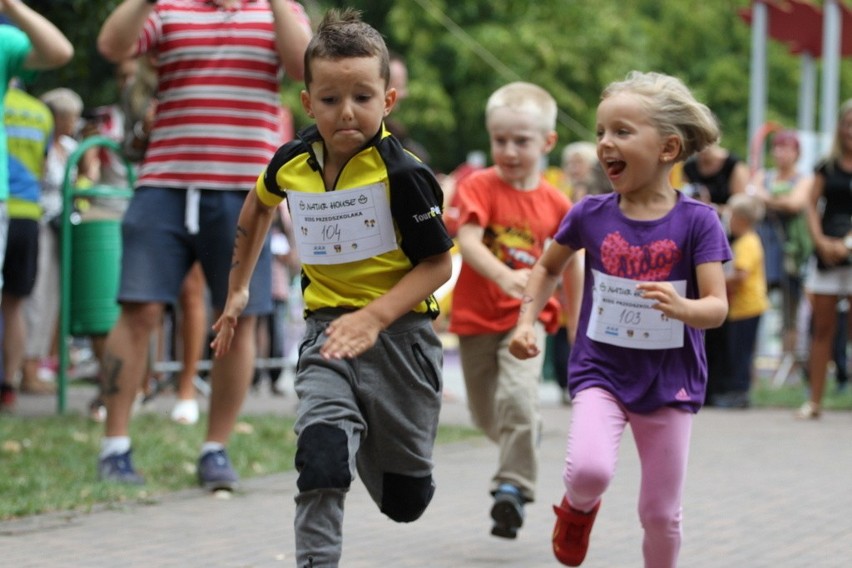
(88, 73)
(459, 52)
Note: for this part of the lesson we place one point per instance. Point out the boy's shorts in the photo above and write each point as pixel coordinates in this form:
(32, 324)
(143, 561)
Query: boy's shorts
(21, 263)
(165, 230)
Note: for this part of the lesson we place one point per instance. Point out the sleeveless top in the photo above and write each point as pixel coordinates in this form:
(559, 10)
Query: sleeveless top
(717, 183)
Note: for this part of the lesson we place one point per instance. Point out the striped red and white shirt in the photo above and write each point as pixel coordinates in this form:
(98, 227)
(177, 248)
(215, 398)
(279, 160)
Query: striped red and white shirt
(218, 119)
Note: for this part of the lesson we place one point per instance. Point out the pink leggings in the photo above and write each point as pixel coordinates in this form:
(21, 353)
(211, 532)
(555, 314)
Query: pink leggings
(662, 439)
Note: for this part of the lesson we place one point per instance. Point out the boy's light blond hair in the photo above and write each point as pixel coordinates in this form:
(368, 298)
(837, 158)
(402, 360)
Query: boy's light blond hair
(586, 150)
(747, 207)
(64, 102)
(525, 97)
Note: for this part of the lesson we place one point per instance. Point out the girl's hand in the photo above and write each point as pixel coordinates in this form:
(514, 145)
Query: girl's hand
(523, 344)
(666, 297)
(351, 335)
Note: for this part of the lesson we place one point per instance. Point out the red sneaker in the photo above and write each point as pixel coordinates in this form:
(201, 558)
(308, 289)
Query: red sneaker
(571, 533)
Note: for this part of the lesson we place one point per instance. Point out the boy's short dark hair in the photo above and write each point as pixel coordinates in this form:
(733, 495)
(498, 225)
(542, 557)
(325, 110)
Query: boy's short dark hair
(343, 34)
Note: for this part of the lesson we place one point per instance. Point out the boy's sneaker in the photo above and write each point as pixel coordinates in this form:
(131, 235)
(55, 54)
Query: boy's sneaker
(97, 410)
(185, 412)
(571, 533)
(507, 511)
(118, 468)
(7, 397)
(215, 472)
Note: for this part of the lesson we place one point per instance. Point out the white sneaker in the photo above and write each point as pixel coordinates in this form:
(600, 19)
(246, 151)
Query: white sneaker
(185, 412)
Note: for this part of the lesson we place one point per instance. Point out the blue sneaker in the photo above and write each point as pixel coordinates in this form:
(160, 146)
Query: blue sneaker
(507, 511)
(118, 468)
(215, 472)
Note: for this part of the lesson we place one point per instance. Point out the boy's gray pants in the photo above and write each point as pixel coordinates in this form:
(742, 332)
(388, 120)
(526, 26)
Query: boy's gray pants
(377, 414)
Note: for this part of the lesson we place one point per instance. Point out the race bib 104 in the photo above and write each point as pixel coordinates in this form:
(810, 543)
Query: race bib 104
(342, 226)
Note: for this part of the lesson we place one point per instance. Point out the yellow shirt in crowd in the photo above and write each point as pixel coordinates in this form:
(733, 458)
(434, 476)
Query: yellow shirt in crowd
(750, 298)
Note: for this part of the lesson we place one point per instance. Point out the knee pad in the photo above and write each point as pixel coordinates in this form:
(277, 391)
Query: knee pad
(404, 498)
(322, 458)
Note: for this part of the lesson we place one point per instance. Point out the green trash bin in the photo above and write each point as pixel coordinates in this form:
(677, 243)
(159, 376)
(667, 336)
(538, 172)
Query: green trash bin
(90, 246)
(96, 262)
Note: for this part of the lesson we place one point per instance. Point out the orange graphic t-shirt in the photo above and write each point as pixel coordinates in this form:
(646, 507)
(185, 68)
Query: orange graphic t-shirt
(517, 227)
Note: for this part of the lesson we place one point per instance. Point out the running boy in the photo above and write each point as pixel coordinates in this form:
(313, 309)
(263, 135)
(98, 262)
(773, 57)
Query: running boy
(653, 281)
(373, 246)
(507, 213)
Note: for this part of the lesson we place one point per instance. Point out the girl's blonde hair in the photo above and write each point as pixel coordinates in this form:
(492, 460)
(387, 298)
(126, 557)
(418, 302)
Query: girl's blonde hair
(672, 108)
(836, 151)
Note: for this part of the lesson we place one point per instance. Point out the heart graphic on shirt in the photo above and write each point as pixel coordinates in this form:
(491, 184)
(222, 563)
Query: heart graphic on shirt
(651, 262)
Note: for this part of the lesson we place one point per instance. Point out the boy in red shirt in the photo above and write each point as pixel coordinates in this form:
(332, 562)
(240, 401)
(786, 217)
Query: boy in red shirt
(507, 213)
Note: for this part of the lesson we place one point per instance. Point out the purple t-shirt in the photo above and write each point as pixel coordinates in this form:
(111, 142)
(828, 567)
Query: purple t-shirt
(665, 249)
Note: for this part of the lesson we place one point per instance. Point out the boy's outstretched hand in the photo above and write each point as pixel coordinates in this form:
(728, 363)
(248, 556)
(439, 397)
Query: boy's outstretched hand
(351, 335)
(227, 323)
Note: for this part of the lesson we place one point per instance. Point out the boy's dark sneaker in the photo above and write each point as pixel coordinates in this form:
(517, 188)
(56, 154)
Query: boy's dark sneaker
(7, 398)
(571, 533)
(118, 468)
(507, 511)
(215, 472)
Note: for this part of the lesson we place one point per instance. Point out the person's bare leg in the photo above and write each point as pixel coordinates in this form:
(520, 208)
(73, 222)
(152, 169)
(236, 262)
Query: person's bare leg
(97, 410)
(824, 327)
(157, 346)
(125, 362)
(193, 330)
(848, 322)
(230, 380)
(14, 343)
(99, 346)
(262, 348)
(29, 370)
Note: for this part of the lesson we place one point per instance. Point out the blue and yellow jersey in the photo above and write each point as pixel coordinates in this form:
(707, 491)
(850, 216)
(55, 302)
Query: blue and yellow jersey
(14, 48)
(29, 127)
(415, 200)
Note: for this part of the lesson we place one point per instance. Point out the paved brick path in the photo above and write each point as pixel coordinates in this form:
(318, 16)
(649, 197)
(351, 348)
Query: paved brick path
(763, 491)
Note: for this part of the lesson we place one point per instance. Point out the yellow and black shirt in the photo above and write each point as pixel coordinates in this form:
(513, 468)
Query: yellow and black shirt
(415, 202)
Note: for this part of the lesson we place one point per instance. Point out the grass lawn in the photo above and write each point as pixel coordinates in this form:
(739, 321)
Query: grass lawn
(794, 391)
(48, 463)
(792, 396)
